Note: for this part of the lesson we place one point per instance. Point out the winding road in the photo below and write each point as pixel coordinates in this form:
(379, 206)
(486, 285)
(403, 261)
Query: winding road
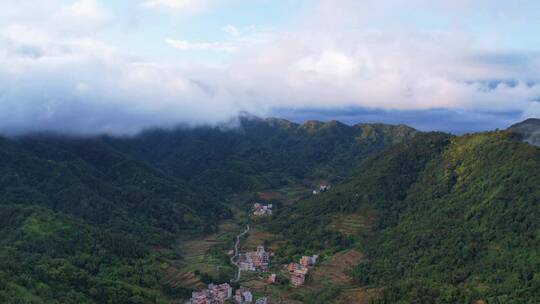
(236, 244)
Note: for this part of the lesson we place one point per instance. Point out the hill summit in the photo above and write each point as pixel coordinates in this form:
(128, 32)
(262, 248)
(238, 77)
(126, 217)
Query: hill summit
(529, 130)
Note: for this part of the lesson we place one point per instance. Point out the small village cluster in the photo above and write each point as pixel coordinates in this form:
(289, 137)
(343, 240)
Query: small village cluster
(255, 260)
(298, 271)
(219, 294)
(262, 210)
(259, 261)
(322, 188)
(215, 294)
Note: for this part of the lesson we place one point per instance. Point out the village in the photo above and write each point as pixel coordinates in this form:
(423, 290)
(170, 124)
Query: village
(258, 262)
(223, 293)
(254, 261)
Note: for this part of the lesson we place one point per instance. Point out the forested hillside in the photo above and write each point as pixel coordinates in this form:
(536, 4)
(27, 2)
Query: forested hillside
(88, 179)
(81, 218)
(48, 257)
(261, 153)
(451, 220)
(528, 130)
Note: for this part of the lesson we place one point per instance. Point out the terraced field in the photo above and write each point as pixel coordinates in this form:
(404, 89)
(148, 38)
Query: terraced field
(335, 269)
(176, 279)
(195, 258)
(258, 237)
(185, 272)
(351, 224)
(287, 195)
(356, 295)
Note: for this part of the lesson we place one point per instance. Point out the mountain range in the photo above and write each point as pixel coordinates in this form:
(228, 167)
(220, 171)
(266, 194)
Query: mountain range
(437, 218)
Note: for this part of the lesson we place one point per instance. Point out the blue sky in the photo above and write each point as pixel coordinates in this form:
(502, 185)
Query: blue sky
(119, 66)
(144, 30)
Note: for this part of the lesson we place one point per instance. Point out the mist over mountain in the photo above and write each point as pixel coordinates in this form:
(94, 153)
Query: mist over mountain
(529, 130)
(269, 152)
(444, 120)
(92, 67)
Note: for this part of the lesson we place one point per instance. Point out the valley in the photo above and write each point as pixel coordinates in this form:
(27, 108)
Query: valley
(329, 281)
(392, 215)
(269, 152)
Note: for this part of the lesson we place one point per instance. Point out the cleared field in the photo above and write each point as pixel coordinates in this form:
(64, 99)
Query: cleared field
(334, 270)
(194, 257)
(275, 293)
(257, 237)
(356, 296)
(351, 224)
(175, 278)
(287, 195)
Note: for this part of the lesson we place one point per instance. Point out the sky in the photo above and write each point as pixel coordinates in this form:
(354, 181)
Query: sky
(120, 66)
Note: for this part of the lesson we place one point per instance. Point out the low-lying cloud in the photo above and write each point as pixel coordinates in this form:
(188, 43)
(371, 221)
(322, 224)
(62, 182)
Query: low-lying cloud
(55, 78)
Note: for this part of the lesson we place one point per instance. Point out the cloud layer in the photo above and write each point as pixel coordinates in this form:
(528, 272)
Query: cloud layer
(177, 5)
(60, 76)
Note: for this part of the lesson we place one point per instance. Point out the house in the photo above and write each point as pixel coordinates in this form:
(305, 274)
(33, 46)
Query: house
(242, 296)
(221, 292)
(215, 294)
(247, 266)
(202, 297)
(295, 267)
(300, 270)
(308, 261)
(291, 267)
(258, 260)
(305, 261)
(263, 300)
(298, 278)
(262, 210)
(324, 188)
(298, 273)
(271, 279)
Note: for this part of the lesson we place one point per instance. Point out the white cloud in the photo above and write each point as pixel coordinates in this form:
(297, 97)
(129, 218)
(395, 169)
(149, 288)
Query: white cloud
(50, 81)
(83, 10)
(329, 63)
(25, 34)
(177, 5)
(253, 37)
(231, 30)
(409, 70)
(61, 77)
(212, 46)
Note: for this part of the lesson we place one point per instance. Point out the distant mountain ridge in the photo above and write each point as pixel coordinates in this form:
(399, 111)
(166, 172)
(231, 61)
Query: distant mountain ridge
(529, 129)
(275, 147)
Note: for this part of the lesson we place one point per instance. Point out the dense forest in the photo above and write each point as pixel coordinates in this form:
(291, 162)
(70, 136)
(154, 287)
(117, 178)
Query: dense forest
(81, 217)
(452, 220)
(79, 220)
(256, 153)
